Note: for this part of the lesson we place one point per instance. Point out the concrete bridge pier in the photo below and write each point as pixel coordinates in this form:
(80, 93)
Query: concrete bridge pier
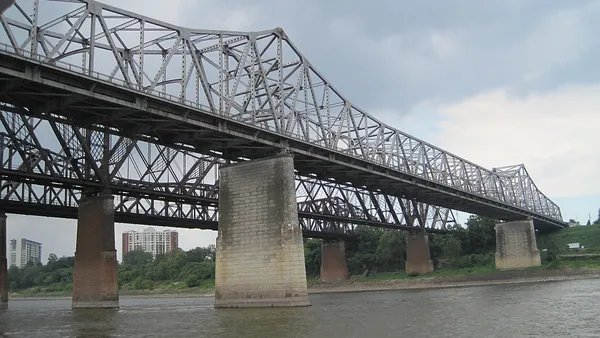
(260, 252)
(333, 261)
(3, 264)
(515, 245)
(418, 256)
(95, 273)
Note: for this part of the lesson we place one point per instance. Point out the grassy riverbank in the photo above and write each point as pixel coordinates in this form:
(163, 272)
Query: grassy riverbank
(487, 275)
(587, 236)
(556, 271)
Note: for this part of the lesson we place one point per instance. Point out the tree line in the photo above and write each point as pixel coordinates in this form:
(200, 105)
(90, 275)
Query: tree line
(384, 250)
(374, 250)
(138, 270)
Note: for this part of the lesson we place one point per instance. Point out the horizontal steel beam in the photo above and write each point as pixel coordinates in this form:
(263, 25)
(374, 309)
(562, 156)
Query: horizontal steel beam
(68, 212)
(79, 161)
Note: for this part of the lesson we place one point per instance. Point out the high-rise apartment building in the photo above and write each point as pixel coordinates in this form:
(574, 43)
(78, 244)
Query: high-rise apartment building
(23, 251)
(150, 240)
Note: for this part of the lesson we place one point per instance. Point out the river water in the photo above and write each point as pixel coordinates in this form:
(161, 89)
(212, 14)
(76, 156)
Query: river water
(558, 309)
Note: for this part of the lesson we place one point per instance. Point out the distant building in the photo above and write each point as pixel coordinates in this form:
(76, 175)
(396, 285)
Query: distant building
(150, 240)
(23, 251)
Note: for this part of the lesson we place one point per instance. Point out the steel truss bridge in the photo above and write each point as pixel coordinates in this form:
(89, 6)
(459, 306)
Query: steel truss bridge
(159, 185)
(98, 98)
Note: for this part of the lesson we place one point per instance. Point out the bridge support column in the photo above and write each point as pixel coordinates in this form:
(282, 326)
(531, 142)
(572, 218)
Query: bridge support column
(515, 245)
(333, 261)
(95, 273)
(418, 257)
(3, 264)
(260, 253)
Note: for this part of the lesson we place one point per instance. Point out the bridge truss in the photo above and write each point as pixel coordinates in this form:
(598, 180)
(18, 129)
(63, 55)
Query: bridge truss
(254, 80)
(52, 164)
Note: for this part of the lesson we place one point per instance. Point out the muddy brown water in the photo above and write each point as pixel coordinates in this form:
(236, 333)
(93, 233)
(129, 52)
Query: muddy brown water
(557, 309)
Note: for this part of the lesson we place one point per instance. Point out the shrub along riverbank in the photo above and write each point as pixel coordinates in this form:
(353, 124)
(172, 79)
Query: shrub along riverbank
(376, 255)
(485, 275)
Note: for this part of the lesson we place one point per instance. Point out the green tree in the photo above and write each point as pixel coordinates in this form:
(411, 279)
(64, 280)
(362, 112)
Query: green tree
(390, 254)
(451, 247)
(137, 257)
(481, 235)
(14, 277)
(201, 254)
(168, 267)
(360, 253)
(52, 259)
(446, 249)
(194, 273)
(140, 283)
(312, 256)
(62, 263)
(212, 253)
(551, 251)
(138, 271)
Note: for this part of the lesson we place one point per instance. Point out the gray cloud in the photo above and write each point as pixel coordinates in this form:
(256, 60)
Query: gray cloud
(405, 53)
(397, 54)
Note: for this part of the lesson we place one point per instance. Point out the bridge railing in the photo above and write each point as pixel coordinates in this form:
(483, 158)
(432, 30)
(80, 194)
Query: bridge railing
(258, 78)
(98, 76)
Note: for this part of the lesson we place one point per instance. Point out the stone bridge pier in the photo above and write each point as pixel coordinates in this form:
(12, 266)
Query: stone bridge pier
(95, 282)
(333, 261)
(516, 247)
(260, 252)
(3, 263)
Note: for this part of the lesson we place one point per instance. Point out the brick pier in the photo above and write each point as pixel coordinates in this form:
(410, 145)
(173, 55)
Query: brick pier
(95, 273)
(333, 261)
(418, 256)
(260, 253)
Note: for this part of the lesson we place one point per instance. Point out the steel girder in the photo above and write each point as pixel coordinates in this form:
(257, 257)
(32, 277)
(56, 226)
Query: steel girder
(48, 162)
(29, 198)
(257, 79)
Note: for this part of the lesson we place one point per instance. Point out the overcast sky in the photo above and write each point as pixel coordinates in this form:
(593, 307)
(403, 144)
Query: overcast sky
(497, 82)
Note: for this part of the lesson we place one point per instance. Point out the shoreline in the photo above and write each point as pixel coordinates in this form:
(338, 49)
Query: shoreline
(445, 282)
(357, 284)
